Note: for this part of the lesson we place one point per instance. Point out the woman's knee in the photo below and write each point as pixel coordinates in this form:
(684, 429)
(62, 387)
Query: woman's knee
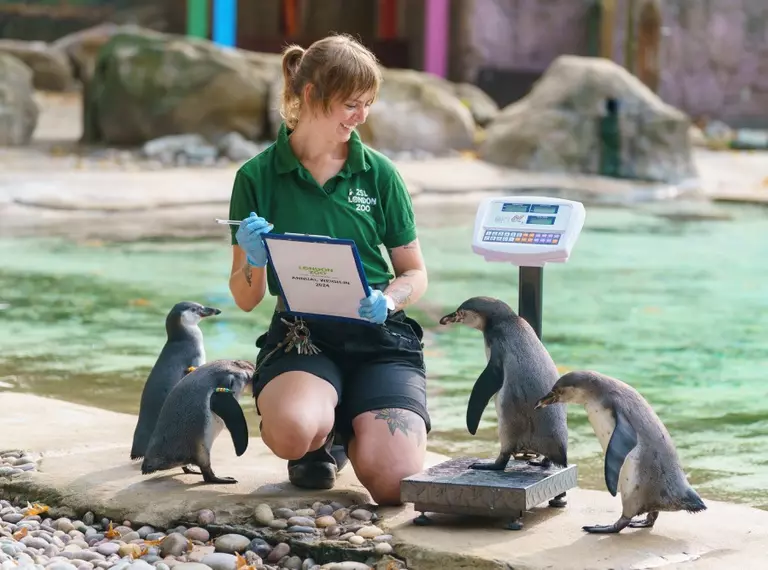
(297, 412)
(383, 482)
(382, 460)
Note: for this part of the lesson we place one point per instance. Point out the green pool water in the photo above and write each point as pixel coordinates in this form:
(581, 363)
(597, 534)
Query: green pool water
(677, 309)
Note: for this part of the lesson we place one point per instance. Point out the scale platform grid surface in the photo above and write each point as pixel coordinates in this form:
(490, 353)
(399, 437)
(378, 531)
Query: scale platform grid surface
(452, 487)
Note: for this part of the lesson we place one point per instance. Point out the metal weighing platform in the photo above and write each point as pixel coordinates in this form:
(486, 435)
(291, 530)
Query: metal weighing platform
(452, 487)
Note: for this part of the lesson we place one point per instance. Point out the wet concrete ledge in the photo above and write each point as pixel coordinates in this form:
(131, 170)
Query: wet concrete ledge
(84, 465)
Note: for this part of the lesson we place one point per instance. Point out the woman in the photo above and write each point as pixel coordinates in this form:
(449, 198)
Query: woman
(367, 385)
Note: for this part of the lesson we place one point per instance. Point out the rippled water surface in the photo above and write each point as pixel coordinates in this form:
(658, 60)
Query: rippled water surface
(677, 309)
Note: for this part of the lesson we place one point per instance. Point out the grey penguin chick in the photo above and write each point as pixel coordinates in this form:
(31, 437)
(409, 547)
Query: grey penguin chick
(195, 413)
(518, 372)
(183, 350)
(641, 461)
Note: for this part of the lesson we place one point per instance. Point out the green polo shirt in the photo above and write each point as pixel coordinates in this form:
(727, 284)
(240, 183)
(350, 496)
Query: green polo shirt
(367, 201)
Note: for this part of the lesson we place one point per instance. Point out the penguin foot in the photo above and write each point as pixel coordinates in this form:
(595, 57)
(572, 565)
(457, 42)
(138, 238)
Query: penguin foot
(614, 528)
(210, 477)
(220, 480)
(647, 522)
(544, 463)
(422, 520)
(558, 502)
(190, 471)
(516, 524)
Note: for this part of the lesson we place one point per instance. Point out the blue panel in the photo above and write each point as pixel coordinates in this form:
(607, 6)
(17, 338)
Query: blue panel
(225, 22)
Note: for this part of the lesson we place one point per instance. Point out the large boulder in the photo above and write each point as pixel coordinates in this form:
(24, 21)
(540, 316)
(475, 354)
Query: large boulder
(557, 126)
(148, 85)
(413, 112)
(18, 109)
(483, 108)
(51, 68)
(81, 47)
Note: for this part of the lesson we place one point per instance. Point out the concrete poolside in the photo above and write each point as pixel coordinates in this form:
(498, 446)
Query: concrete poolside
(84, 465)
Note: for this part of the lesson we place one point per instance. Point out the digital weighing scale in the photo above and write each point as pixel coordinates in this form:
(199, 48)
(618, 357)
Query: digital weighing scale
(526, 231)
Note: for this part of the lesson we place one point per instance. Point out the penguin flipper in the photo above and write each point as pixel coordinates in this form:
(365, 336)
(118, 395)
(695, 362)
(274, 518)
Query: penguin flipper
(226, 406)
(623, 440)
(487, 384)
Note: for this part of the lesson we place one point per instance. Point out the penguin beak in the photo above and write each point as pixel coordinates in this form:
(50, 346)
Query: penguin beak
(209, 311)
(547, 400)
(451, 318)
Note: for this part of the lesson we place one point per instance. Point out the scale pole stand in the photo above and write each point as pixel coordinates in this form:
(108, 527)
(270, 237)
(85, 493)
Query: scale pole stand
(530, 290)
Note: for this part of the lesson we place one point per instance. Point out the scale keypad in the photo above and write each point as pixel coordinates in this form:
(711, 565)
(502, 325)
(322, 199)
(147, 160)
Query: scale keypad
(544, 238)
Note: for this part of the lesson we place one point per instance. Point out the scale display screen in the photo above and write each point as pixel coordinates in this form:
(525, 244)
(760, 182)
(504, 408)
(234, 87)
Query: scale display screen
(527, 230)
(530, 208)
(541, 220)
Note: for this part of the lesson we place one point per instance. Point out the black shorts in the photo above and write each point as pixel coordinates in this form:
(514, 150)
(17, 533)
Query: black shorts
(371, 367)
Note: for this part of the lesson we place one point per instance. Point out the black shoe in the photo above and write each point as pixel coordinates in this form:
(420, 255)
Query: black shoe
(316, 470)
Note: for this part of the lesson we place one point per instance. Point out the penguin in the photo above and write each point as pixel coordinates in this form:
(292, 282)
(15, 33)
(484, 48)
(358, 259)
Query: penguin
(183, 351)
(641, 461)
(193, 415)
(519, 370)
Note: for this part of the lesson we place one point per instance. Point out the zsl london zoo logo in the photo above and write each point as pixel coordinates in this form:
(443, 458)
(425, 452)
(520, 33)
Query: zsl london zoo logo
(360, 199)
(320, 276)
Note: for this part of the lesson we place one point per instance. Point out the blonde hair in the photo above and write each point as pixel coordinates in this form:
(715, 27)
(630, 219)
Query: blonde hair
(336, 67)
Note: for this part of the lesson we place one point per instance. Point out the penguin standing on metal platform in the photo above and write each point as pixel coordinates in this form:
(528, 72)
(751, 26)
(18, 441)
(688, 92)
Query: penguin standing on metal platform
(183, 351)
(518, 372)
(193, 415)
(641, 461)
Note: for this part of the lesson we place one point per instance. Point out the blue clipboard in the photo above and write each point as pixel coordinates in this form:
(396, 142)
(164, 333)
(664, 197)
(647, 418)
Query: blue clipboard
(316, 239)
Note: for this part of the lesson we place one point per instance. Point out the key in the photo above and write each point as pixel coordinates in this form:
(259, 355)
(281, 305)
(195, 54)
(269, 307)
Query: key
(298, 336)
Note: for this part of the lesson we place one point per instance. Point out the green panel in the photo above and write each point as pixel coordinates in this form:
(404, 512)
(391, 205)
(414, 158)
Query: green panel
(197, 18)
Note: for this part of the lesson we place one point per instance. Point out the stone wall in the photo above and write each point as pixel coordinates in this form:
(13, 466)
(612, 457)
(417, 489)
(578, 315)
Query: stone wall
(713, 54)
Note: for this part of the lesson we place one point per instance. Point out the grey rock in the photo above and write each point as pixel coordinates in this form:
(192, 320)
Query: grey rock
(175, 544)
(19, 112)
(281, 549)
(145, 531)
(260, 547)
(301, 521)
(197, 533)
(301, 529)
(284, 513)
(292, 563)
(220, 561)
(231, 543)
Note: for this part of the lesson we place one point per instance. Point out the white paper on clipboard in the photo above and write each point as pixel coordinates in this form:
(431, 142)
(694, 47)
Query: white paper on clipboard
(318, 275)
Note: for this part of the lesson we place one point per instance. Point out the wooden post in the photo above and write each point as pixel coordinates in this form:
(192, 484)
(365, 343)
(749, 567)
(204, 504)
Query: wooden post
(387, 19)
(649, 43)
(607, 23)
(630, 44)
(291, 18)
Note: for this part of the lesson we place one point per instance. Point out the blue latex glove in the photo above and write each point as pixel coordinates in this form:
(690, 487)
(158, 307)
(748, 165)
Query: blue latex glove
(249, 238)
(374, 306)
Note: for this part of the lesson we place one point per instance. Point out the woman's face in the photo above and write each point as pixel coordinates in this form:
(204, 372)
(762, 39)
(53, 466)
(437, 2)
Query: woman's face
(344, 116)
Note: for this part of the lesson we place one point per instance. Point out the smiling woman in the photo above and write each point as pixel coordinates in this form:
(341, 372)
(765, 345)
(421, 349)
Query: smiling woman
(366, 385)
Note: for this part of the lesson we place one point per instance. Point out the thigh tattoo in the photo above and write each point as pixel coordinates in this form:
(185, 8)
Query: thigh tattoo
(403, 420)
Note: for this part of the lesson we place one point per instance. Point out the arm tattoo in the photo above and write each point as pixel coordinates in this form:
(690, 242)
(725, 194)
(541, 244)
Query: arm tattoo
(402, 294)
(247, 273)
(398, 419)
(409, 245)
